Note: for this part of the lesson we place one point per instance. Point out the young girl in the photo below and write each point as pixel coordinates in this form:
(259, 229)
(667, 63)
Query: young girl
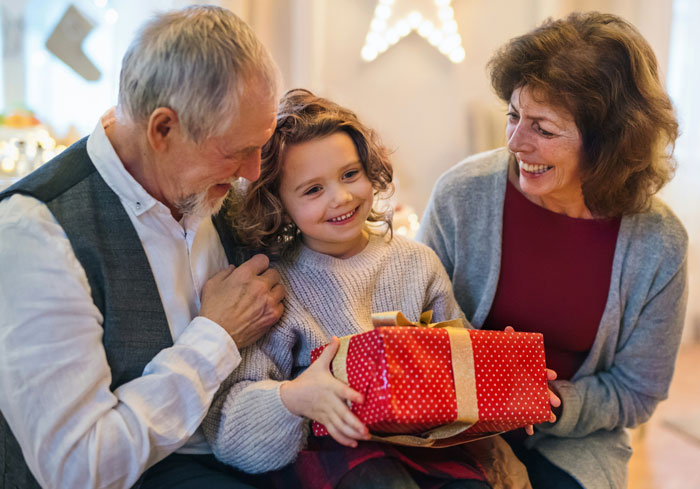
(313, 208)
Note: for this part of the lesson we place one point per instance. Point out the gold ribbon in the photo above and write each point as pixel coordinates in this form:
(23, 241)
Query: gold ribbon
(396, 318)
(340, 364)
(464, 380)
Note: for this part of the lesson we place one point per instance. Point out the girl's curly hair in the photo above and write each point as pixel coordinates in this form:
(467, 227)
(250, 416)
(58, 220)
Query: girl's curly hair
(257, 214)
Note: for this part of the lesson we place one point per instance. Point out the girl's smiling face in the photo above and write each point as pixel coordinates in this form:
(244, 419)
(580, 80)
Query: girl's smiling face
(547, 146)
(326, 192)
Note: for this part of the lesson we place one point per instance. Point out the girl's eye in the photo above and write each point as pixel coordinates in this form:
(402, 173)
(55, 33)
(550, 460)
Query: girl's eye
(313, 190)
(350, 173)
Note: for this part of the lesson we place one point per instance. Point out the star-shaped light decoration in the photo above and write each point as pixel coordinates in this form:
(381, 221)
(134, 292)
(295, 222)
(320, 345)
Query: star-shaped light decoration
(444, 37)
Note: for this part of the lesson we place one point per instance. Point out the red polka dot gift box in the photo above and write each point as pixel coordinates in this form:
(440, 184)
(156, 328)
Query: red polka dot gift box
(441, 385)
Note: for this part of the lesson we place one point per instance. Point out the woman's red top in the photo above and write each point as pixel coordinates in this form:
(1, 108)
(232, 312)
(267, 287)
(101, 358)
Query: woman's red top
(554, 278)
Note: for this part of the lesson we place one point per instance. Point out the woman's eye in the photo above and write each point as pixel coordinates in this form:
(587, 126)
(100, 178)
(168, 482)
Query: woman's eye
(512, 116)
(544, 132)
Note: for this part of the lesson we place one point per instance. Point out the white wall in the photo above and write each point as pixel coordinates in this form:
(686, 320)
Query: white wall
(432, 112)
(682, 193)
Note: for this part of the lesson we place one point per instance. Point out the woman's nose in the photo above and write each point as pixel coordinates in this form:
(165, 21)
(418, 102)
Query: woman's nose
(518, 139)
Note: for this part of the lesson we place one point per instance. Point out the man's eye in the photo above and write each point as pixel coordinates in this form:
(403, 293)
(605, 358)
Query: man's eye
(512, 116)
(243, 154)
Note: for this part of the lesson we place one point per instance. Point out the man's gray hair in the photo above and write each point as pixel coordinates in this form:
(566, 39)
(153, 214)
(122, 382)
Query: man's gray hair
(196, 61)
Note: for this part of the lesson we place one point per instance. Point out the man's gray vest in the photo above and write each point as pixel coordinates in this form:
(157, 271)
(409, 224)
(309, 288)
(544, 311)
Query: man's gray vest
(120, 277)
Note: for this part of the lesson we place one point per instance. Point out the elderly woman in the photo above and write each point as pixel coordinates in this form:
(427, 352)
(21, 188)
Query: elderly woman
(560, 233)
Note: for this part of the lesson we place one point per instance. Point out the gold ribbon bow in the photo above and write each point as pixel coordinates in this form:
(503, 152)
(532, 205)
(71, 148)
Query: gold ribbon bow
(464, 380)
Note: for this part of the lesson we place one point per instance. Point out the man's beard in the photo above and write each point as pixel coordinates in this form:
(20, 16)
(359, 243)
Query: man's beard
(200, 205)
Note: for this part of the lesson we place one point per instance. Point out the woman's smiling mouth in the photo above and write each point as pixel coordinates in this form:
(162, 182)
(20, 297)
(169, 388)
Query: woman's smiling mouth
(534, 169)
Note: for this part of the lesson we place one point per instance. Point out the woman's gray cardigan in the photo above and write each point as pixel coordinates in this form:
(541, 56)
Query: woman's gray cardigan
(631, 362)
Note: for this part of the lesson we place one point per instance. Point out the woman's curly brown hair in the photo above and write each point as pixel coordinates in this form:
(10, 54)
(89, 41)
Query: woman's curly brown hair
(257, 213)
(600, 68)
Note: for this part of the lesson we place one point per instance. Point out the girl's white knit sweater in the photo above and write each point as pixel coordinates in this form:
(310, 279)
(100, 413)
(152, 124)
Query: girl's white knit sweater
(248, 426)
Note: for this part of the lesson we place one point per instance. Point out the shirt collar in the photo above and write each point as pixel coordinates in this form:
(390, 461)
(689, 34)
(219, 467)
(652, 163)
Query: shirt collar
(112, 170)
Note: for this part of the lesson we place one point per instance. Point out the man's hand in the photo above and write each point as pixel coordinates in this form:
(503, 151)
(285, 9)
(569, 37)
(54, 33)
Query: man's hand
(245, 301)
(319, 396)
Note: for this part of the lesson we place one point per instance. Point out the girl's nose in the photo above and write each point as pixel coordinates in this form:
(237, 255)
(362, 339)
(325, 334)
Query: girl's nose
(342, 196)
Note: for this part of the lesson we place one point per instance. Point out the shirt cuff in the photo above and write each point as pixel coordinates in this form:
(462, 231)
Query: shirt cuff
(213, 343)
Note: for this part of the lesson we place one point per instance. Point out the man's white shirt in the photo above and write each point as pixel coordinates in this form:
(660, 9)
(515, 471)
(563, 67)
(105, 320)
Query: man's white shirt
(54, 377)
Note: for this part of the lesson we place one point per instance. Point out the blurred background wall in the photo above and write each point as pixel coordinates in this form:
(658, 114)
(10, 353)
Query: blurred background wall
(430, 111)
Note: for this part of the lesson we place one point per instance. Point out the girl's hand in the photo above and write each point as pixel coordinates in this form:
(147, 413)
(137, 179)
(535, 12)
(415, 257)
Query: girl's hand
(319, 396)
(554, 400)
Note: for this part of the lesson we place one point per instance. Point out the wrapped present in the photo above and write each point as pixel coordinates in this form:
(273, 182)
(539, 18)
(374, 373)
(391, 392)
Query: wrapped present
(442, 384)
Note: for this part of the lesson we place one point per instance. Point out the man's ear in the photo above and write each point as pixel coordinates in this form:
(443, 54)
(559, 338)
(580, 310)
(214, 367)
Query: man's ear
(163, 126)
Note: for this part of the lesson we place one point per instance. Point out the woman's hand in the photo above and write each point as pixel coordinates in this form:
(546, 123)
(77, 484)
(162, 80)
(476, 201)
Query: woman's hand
(319, 396)
(554, 400)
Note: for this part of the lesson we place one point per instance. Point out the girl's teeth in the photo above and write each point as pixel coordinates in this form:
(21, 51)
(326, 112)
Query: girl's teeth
(343, 217)
(534, 168)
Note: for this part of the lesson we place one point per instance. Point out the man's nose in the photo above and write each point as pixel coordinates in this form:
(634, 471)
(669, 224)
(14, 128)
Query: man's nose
(250, 167)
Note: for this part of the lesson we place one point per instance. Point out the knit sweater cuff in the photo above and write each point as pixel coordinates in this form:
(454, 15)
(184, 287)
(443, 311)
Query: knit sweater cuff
(571, 408)
(258, 432)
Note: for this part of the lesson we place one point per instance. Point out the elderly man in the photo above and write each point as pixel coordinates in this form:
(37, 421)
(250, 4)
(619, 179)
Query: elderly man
(121, 315)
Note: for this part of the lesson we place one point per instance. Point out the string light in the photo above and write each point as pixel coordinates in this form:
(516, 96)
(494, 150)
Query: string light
(382, 36)
(111, 16)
